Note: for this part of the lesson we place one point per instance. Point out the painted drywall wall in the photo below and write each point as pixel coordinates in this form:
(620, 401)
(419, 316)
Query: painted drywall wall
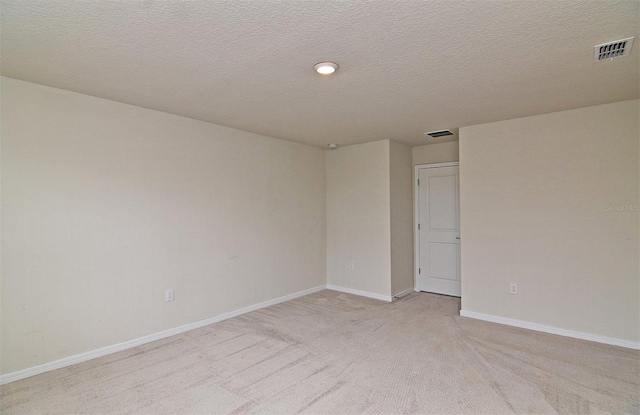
(436, 153)
(401, 190)
(107, 205)
(550, 202)
(358, 217)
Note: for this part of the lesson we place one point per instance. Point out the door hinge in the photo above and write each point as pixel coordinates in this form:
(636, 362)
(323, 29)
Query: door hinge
(419, 271)
(418, 182)
(418, 226)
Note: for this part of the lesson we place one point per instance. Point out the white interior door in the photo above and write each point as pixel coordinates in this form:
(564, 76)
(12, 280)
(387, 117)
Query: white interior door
(439, 230)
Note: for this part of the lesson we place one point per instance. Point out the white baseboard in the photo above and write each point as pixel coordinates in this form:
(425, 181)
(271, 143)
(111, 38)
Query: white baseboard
(103, 351)
(360, 293)
(551, 329)
(403, 293)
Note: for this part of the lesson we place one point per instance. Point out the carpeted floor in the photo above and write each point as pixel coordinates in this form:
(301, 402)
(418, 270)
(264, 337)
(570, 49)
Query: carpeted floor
(336, 353)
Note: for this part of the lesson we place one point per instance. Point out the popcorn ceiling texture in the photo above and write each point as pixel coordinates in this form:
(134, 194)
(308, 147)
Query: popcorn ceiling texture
(405, 67)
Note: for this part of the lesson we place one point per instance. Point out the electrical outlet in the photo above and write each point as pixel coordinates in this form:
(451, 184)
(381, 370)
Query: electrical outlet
(168, 295)
(513, 288)
(351, 267)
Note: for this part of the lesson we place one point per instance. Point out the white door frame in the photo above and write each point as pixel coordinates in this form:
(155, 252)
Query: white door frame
(416, 213)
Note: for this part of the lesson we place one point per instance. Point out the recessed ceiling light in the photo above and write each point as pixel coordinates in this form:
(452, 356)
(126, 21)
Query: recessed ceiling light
(333, 146)
(325, 68)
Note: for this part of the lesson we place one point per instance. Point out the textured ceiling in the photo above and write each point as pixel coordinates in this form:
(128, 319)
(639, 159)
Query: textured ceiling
(405, 67)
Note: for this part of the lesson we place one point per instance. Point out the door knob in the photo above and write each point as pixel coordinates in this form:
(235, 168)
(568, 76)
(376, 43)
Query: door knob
(457, 237)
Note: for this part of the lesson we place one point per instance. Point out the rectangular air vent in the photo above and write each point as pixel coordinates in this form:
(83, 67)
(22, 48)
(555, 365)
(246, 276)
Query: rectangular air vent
(439, 133)
(610, 50)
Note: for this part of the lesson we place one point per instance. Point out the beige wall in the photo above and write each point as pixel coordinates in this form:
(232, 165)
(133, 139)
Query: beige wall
(435, 153)
(536, 197)
(106, 205)
(401, 217)
(358, 217)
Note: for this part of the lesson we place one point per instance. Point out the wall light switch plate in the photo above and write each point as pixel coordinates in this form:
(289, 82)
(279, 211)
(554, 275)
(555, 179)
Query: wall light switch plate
(169, 295)
(513, 288)
(351, 267)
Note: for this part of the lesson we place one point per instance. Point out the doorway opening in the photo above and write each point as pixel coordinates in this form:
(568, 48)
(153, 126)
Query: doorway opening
(437, 228)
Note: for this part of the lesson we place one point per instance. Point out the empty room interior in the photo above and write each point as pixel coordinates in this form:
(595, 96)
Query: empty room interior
(320, 207)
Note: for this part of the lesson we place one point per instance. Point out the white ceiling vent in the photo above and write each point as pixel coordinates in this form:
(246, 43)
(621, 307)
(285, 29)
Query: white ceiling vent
(610, 50)
(439, 133)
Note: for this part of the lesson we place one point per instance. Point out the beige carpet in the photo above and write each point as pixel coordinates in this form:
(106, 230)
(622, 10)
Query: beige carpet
(341, 354)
